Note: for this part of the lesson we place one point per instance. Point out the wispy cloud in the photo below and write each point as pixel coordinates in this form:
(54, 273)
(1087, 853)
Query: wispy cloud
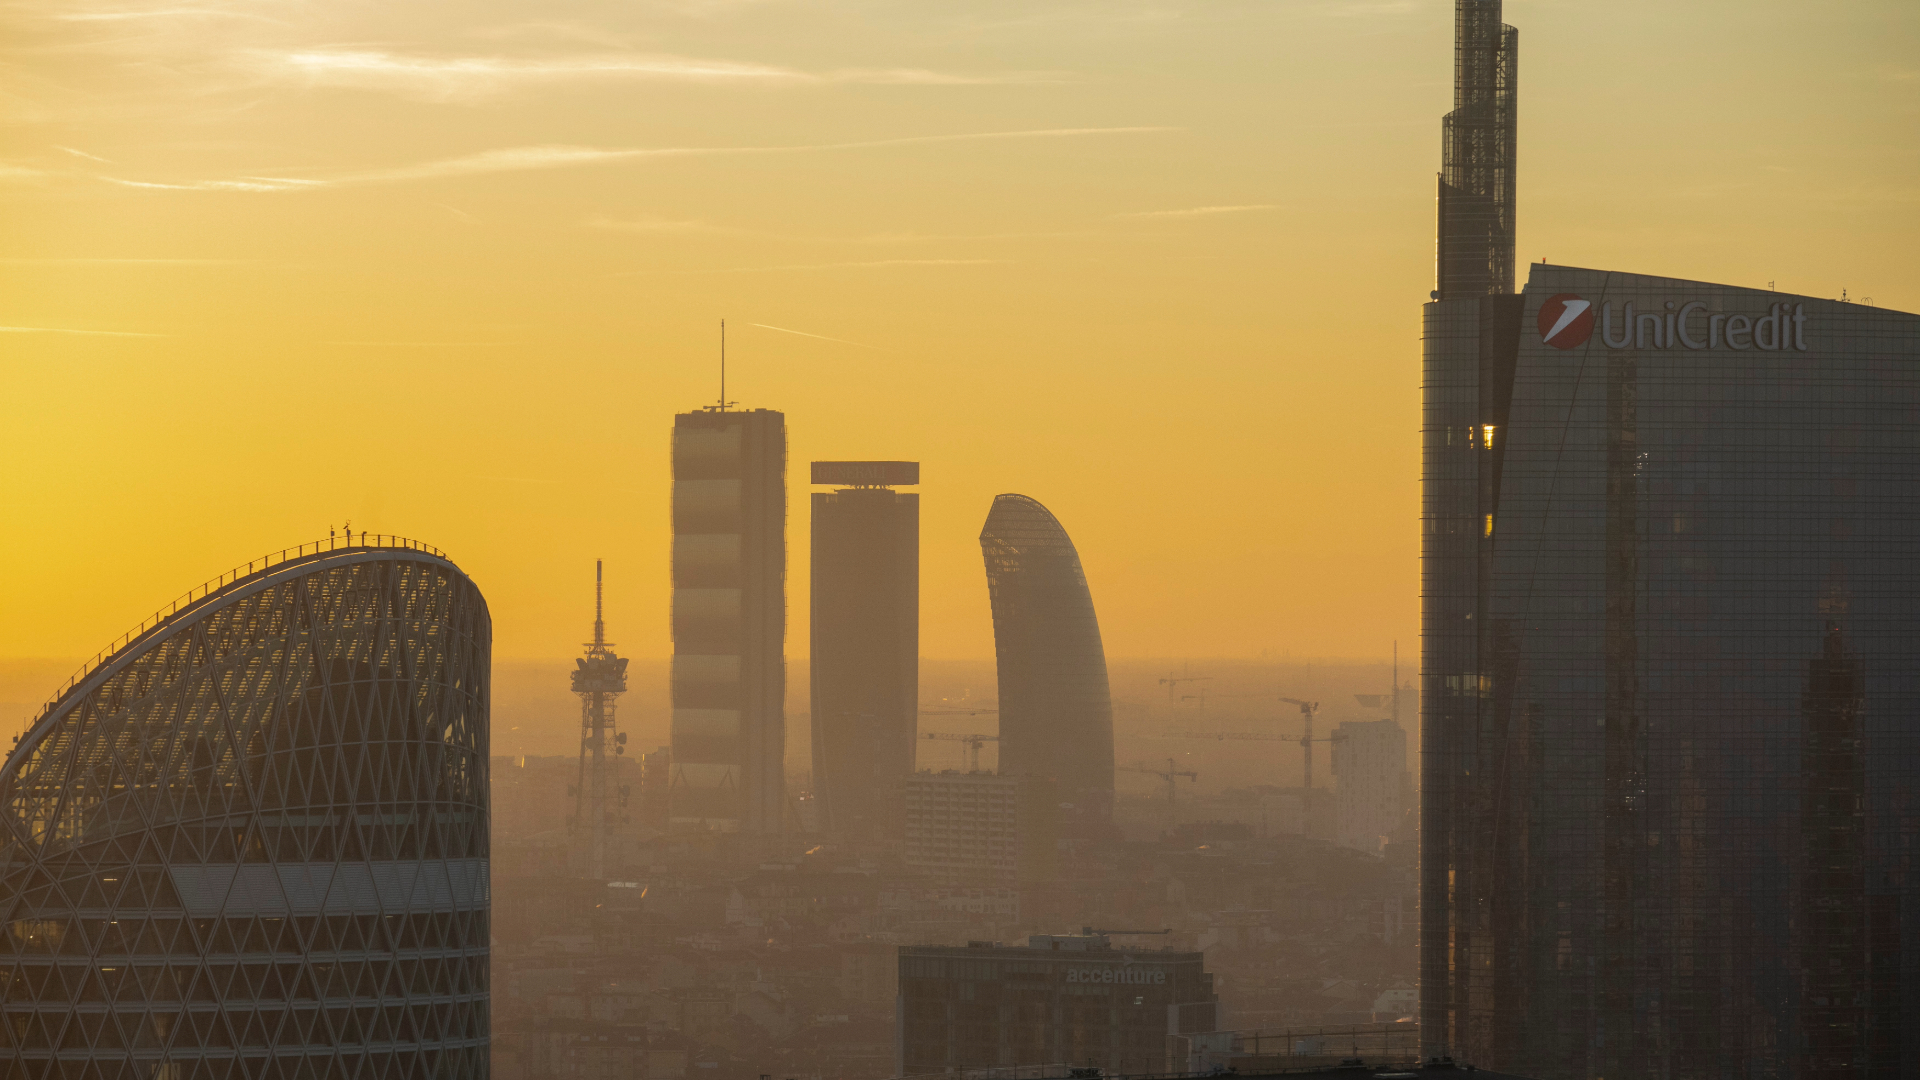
(160, 13)
(530, 158)
(841, 266)
(245, 183)
(447, 78)
(695, 227)
(67, 330)
(421, 344)
(120, 262)
(1200, 211)
(822, 337)
(83, 154)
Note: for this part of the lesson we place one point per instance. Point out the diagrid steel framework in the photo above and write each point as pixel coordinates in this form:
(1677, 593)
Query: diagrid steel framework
(251, 840)
(599, 678)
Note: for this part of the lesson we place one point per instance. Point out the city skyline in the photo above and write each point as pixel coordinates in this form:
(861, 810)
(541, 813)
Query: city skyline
(1143, 301)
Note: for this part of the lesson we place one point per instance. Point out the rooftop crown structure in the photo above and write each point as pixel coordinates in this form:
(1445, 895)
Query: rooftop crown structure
(251, 840)
(1477, 185)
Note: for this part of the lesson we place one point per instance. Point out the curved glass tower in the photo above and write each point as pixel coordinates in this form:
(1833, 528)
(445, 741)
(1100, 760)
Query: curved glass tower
(1056, 718)
(251, 841)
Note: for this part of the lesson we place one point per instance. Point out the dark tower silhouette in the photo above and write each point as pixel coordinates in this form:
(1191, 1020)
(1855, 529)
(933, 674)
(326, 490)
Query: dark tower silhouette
(865, 642)
(1475, 254)
(1056, 718)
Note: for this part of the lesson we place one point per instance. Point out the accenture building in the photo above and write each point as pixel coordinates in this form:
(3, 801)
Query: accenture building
(250, 839)
(1671, 670)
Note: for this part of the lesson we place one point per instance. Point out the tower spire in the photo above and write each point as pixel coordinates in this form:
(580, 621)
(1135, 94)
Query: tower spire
(1475, 253)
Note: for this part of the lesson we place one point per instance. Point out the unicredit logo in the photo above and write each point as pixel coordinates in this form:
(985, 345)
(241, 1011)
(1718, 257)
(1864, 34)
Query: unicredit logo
(1566, 321)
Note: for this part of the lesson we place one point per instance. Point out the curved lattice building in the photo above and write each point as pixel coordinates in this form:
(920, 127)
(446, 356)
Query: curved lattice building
(1056, 718)
(250, 841)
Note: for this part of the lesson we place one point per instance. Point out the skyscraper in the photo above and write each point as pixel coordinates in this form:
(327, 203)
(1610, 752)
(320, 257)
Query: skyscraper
(729, 621)
(250, 838)
(865, 642)
(1056, 718)
(1477, 184)
(1671, 661)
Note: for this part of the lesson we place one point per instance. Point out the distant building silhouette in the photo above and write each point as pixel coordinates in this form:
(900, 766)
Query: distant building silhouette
(1056, 715)
(979, 827)
(253, 840)
(1057, 1000)
(729, 621)
(1370, 776)
(864, 643)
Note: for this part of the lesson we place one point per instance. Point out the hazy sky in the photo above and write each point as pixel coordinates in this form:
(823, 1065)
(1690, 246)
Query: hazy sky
(448, 269)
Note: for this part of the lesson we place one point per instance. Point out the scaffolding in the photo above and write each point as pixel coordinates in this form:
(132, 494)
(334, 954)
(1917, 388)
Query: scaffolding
(599, 677)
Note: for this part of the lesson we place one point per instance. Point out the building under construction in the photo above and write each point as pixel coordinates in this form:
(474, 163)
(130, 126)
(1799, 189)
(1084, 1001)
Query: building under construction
(599, 677)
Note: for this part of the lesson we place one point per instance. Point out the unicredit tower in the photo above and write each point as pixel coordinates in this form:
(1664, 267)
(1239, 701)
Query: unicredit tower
(1671, 656)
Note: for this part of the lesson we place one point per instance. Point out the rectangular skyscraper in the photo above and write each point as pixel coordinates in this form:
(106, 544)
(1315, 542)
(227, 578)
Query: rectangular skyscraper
(729, 621)
(865, 642)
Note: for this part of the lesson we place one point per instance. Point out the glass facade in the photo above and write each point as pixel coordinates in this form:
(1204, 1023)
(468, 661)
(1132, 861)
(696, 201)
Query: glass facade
(253, 841)
(1671, 701)
(1056, 715)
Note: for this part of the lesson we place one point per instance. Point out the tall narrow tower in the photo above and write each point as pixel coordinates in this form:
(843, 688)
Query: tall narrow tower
(865, 643)
(1056, 715)
(1475, 253)
(599, 678)
(729, 621)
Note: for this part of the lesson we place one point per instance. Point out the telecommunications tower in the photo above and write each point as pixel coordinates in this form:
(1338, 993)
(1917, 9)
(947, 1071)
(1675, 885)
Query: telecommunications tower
(599, 677)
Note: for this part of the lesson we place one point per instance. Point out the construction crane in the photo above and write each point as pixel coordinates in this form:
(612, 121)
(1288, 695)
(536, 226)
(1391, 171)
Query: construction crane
(974, 742)
(1171, 775)
(1171, 682)
(599, 678)
(1307, 709)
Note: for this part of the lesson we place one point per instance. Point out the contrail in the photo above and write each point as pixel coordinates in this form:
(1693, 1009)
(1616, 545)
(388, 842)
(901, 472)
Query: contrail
(822, 337)
(64, 330)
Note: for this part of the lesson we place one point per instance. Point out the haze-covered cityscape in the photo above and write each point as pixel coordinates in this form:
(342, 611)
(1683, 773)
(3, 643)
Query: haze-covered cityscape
(1005, 541)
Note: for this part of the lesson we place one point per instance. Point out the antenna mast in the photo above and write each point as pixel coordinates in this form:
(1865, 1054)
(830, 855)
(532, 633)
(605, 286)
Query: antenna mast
(599, 624)
(599, 678)
(724, 403)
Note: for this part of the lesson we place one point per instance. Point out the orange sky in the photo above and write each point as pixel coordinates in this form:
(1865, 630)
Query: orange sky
(448, 270)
